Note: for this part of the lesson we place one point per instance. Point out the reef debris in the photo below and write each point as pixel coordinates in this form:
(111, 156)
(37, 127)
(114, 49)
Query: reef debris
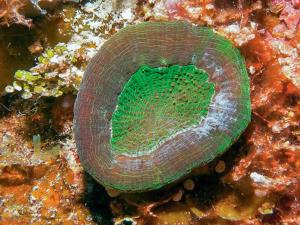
(60, 69)
(20, 11)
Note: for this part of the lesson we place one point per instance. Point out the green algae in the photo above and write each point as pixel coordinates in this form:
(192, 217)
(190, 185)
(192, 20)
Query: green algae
(41, 83)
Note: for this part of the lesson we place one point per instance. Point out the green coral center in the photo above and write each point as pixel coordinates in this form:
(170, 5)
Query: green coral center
(157, 103)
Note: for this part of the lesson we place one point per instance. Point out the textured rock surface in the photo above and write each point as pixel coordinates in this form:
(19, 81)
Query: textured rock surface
(156, 45)
(20, 11)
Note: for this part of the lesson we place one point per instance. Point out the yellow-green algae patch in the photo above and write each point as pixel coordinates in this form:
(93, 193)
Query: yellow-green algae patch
(156, 103)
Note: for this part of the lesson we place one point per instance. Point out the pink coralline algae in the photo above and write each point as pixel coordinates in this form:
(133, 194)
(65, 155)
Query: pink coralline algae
(291, 15)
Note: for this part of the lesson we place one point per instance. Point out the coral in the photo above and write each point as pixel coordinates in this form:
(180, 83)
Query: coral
(259, 184)
(159, 161)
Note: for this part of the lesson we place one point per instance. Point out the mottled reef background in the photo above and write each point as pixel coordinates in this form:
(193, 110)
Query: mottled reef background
(44, 49)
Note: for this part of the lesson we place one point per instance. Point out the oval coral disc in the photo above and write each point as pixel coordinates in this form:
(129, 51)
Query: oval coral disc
(133, 135)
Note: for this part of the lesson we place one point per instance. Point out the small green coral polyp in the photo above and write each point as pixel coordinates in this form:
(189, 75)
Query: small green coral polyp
(157, 103)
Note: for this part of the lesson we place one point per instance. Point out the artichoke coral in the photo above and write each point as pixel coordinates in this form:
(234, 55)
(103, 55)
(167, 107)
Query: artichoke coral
(159, 99)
